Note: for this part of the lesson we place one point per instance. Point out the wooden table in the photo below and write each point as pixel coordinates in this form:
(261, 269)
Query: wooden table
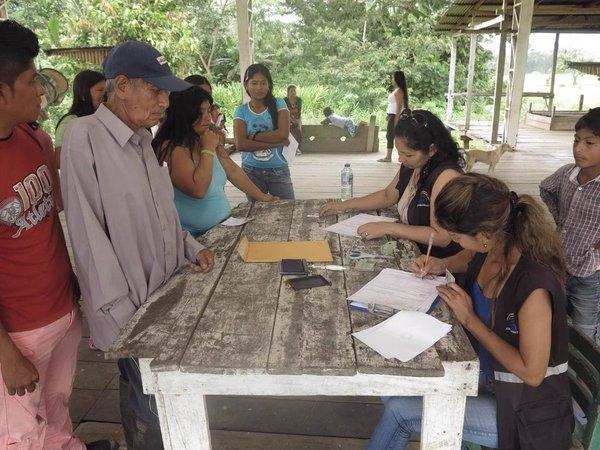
(240, 330)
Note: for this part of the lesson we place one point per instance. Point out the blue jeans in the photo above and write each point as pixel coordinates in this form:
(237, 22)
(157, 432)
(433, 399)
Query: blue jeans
(139, 414)
(402, 416)
(277, 182)
(583, 295)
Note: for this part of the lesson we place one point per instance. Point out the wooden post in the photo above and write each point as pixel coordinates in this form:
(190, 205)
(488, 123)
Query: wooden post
(498, 88)
(470, 77)
(525, 16)
(442, 422)
(451, 78)
(3, 12)
(184, 418)
(553, 73)
(244, 26)
(371, 136)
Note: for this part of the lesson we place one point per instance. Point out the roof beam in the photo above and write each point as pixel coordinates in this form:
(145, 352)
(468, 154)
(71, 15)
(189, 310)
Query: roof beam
(488, 23)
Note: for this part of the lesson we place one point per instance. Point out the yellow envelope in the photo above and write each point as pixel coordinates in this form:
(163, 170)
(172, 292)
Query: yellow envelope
(313, 251)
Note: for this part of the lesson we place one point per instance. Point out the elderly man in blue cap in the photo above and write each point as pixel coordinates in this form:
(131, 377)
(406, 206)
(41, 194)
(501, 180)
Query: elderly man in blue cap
(126, 236)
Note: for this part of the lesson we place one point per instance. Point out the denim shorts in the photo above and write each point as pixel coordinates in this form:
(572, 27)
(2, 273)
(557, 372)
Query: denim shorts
(274, 181)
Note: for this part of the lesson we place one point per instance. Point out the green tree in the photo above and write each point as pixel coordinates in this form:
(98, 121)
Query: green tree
(566, 56)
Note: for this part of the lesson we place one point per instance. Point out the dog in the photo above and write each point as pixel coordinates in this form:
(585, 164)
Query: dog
(490, 157)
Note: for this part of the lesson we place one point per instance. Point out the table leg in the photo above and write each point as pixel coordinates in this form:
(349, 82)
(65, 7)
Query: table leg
(183, 421)
(442, 422)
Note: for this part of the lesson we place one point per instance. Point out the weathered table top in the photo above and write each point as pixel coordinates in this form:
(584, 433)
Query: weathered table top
(241, 318)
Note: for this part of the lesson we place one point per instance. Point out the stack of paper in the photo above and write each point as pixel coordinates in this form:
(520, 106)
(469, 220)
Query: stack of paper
(349, 226)
(404, 335)
(398, 290)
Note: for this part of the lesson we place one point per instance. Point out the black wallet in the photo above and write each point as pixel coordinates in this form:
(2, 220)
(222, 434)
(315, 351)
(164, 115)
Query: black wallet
(292, 267)
(309, 282)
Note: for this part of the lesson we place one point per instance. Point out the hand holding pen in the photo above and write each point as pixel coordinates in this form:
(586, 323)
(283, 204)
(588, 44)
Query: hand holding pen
(429, 245)
(428, 266)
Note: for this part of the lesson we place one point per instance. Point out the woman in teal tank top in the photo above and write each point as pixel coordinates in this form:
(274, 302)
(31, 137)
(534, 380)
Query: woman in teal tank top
(198, 164)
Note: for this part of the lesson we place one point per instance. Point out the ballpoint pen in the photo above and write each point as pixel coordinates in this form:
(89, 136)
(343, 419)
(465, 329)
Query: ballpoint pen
(429, 245)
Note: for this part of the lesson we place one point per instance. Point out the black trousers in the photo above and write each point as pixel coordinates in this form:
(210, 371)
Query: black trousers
(389, 132)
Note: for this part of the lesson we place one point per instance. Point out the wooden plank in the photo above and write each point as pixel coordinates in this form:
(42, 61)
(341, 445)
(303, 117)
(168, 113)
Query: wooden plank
(327, 138)
(234, 333)
(312, 327)
(294, 415)
(162, 326)
(368, 360)
(233, 440)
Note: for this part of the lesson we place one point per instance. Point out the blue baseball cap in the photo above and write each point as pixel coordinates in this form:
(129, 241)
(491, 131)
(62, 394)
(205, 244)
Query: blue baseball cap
(136, 59)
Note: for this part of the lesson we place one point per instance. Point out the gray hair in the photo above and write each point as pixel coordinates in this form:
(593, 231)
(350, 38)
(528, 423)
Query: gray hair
(109, 89)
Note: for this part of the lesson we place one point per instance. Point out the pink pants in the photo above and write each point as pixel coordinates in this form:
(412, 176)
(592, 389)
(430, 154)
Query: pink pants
(40, 420)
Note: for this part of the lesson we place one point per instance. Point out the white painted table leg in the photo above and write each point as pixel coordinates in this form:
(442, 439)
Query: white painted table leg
(442, 423)
(183, 421)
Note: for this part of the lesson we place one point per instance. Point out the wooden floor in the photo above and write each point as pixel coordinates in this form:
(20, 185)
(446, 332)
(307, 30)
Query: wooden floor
(539, 153)
(306, 423)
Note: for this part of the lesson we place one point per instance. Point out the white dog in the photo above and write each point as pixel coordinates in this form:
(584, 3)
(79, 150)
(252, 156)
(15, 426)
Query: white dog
(490, 157)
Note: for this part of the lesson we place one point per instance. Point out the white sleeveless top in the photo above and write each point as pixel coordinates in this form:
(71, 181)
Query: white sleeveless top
(392, 104)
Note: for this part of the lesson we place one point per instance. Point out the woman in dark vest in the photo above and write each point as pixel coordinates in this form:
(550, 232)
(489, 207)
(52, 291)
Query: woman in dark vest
(430, 159)
(513, 306)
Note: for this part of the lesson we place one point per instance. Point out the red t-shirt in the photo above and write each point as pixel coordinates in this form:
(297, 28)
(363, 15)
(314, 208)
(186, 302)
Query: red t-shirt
(36, 284)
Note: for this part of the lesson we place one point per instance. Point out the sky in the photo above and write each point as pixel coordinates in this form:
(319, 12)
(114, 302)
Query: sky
(587, 44)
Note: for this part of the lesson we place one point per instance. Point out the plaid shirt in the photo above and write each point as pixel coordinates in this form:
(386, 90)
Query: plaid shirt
(576, 211)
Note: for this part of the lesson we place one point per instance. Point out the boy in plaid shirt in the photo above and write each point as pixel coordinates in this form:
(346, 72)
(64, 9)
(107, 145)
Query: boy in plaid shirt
(572, 195)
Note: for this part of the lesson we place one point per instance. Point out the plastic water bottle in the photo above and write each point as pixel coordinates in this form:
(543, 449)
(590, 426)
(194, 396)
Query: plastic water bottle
(347, 182)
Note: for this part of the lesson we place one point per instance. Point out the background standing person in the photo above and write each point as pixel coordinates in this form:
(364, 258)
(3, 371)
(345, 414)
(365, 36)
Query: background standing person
(126, 235)
(88, 90)
(201, 81)
(198, 164)
(572, 195)
(294, 104)
(261, 128)
(40, 324)
(397, 102)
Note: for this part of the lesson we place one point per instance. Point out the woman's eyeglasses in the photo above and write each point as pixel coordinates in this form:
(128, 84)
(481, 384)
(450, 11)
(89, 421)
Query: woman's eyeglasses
(418, 120)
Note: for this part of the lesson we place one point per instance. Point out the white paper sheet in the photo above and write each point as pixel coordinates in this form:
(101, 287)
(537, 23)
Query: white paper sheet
(349, 226)
(399, 290)
(289, 151)
(404, 335)
(236, 221)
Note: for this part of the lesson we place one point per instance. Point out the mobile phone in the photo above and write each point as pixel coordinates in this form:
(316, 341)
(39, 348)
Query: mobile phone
(293, 267)
(309, 282)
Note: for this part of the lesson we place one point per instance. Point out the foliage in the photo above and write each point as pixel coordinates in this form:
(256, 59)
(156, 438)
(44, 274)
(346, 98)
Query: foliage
(564, 57)
(339, 53)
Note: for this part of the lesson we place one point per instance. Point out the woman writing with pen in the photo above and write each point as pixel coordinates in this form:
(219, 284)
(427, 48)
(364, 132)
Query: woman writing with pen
(513, 306)
(430, 159)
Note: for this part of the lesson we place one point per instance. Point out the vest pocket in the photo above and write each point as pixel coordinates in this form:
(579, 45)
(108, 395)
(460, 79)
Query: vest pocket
(545, 424)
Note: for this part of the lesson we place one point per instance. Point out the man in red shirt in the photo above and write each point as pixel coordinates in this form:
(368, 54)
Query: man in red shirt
(40, 325)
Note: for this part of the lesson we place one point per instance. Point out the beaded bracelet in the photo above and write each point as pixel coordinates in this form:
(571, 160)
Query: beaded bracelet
(210, 152)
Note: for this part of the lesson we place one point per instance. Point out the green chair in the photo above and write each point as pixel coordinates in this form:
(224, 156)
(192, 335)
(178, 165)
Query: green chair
(584, 377)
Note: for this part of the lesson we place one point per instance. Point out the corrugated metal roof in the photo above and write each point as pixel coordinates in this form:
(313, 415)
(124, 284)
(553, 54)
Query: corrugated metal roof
(548, 15)
(592, 68)
(93, 55)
